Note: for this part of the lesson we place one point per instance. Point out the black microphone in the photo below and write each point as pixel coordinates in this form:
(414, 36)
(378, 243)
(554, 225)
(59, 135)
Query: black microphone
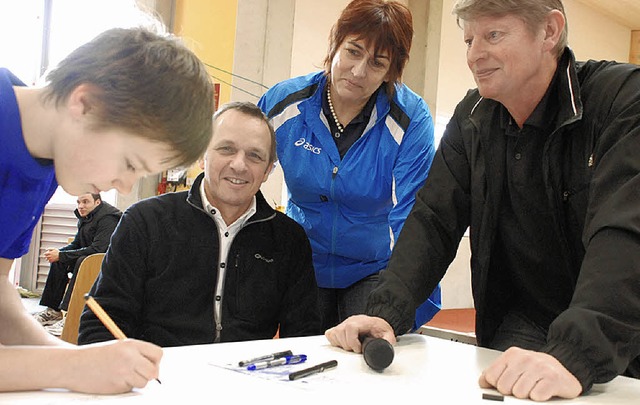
(377, 352)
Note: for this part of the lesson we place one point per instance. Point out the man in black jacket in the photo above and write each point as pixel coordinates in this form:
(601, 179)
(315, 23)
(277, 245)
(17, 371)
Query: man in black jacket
(541, 162)
(213, 264)
(96, 222)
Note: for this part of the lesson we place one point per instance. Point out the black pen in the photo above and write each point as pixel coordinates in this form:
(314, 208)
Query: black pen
(313, 370)
(267, 357)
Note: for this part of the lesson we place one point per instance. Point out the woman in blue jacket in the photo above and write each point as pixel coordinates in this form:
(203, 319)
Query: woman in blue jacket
(355, 145)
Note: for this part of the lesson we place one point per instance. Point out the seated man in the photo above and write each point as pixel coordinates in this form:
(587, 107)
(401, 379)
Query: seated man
(213, 264)
(96, 222)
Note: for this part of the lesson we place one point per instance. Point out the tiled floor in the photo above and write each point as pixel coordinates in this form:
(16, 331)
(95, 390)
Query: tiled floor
(32, 305)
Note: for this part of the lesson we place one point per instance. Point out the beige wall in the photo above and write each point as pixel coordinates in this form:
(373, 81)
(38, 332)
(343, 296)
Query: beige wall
(593, 36)
(311, 33)
(454, 78)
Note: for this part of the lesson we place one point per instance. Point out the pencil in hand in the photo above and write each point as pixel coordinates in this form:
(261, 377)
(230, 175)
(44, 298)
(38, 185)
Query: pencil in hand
(106, 319)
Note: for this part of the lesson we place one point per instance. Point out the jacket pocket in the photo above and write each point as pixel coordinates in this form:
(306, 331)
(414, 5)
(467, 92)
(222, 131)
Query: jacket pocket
(254, 285)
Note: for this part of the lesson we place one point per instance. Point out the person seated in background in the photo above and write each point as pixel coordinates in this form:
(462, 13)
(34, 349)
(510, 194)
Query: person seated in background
(215, 263)
(129, 103)
(542, 162)
(96, 222)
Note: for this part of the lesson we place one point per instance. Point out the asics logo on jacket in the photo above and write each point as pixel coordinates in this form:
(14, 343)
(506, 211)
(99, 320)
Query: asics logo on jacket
(302, 142)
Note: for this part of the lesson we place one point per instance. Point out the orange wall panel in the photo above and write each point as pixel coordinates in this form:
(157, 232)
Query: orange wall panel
(209, 28)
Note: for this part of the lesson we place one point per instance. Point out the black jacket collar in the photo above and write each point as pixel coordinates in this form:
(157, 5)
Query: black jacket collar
(263, 210)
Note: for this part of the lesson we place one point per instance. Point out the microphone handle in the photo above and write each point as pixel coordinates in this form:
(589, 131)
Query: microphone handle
(378, 353)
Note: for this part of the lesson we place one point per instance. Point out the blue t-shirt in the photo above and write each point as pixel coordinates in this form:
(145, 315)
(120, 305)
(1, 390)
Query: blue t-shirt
(26, 184)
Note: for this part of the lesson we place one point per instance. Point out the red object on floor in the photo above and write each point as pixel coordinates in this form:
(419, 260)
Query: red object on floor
(457, 319)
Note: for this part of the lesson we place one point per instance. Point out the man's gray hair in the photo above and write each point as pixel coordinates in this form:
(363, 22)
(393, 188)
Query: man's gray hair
(532, 12)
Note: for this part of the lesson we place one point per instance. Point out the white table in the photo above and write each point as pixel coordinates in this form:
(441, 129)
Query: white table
(425, 370)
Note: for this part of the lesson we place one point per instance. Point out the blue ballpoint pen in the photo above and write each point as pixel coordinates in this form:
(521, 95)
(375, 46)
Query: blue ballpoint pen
(294, 359)
(267, 357)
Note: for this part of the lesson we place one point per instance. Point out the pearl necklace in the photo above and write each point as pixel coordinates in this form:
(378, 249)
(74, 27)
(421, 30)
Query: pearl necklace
(333, 112)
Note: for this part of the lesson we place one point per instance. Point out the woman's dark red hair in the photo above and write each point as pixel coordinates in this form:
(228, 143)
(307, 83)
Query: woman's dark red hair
(387, 25)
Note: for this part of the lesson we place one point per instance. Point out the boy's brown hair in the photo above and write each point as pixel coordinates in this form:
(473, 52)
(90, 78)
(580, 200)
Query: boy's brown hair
(145, 84)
